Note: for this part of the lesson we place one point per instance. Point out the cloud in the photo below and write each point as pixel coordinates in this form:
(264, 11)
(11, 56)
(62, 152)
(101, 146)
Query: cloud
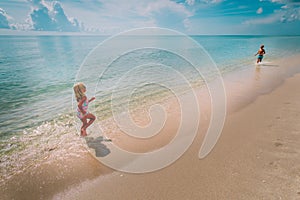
(38, 3)
(167, 13)
(4, 19)
(41, 20)
(286, 1)
(265, 20)
(289, 12)
(51, 17)
(64, 23)
(290, 15)
(199, 2)
(115, 15)
(190, 2)
(259, 11)
(153, 7)
(212, 1)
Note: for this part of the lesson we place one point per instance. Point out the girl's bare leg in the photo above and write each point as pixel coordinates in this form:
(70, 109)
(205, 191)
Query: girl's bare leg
(83, 129)
(91, 118)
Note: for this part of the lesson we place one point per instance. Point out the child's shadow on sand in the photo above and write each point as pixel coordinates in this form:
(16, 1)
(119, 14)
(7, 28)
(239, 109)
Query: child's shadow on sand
(101, 150)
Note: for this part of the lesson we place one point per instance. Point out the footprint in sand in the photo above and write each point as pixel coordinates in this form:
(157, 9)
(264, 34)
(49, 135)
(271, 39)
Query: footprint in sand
(278, 144)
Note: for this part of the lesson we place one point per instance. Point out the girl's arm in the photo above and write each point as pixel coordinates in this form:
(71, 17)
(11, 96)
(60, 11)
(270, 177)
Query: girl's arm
(92, 99)
(80, 104)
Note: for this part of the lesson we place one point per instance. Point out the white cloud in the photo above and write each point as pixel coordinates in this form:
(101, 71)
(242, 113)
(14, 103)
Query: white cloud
(190, 2)
(194, 2)
(289, 12)
(259, 11)
(291, 2)
(216, 1)
(266, 20)
(290, 15)
(167, 14)
(21, 26)
(51, 17)
(150, 8)
(38, 3)
(276, 1)
(114, 15)
(8, 22)
(212, 1)
(187, 24)
(4, 19)
(63, 23)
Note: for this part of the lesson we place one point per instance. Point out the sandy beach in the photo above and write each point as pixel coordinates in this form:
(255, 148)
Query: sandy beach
(256, 157)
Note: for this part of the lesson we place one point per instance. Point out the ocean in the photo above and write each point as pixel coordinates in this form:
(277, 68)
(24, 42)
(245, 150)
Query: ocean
(37, 74)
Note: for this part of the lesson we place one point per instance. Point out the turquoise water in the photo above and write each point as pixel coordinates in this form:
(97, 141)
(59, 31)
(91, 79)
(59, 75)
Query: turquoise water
(37, 72)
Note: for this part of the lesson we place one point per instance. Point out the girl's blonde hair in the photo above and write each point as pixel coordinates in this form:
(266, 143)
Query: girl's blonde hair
(78, 90)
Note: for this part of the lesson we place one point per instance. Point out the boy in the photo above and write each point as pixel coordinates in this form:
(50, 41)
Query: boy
(260, 53)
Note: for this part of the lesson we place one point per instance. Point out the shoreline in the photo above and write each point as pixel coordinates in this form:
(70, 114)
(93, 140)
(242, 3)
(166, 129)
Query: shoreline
(244, 86)
(202, 169)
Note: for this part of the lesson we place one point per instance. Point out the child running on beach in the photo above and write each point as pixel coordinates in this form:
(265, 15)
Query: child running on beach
(82, 108)
(260, 54)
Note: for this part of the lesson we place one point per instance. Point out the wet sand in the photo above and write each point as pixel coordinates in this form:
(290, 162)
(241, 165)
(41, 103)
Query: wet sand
(256, 157)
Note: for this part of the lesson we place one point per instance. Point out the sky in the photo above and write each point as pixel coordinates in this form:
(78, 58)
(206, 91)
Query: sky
(212, 17)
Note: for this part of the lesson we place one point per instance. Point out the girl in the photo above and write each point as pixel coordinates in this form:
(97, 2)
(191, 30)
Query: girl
(83, 102)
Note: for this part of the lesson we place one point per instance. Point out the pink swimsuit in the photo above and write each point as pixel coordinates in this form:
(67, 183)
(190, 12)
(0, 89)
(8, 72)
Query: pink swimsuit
(85, 106)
